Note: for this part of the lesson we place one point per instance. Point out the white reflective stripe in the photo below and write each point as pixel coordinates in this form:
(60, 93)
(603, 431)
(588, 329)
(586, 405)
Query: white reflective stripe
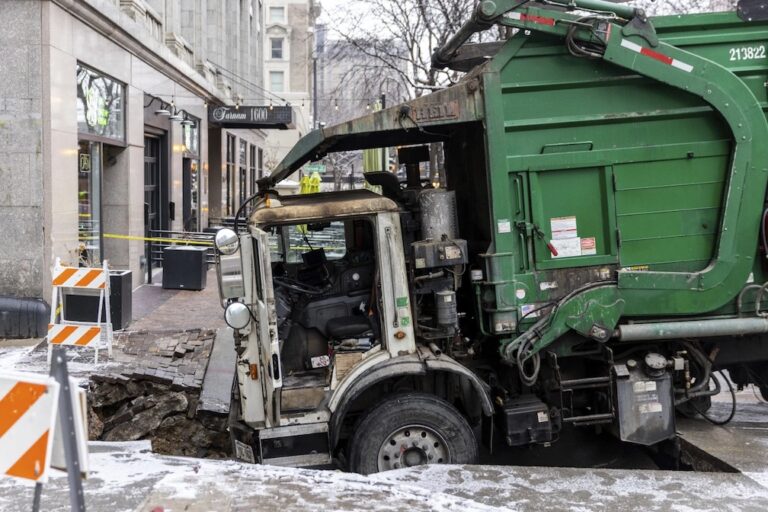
(514, 15)
(653, 54)
(5, 386)
(632, 46)
(682, 65)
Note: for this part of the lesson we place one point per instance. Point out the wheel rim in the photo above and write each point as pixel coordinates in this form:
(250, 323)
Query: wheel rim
(413, 445)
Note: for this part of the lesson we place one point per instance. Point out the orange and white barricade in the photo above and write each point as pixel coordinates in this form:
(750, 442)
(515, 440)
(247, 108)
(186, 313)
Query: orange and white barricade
(28, 408)
(80, 281)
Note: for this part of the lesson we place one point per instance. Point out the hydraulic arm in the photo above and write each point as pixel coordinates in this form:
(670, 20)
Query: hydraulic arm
(625, 37)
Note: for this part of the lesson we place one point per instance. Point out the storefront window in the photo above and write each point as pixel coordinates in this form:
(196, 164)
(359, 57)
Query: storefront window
(228, 182)
(100, 104)
(243, 185)
(89, 203)
(252, 168)
(190, 136)
(100, 119)
(195, 193)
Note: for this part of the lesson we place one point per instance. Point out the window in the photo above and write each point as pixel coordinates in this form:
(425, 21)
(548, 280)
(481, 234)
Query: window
(276, 81)
(277, 47)
(330, 237)
(243, 183)
(228, 182)
(277, 14)
(89, 203)
(100, 104)
(252, 168)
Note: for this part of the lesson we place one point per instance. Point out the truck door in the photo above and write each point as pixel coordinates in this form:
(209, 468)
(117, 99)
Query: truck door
(266, 328)
(574, 214)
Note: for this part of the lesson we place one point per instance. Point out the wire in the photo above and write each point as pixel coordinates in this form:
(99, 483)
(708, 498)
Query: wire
(733, 405)
(531, 312)
(245, 81)
(528, 379)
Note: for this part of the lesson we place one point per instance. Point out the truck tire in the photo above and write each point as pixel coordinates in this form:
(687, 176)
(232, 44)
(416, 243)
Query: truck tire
(410, 430)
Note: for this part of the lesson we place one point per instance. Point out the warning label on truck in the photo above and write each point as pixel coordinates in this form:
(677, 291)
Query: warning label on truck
(566, 247)
(563, 228)
(588, 246)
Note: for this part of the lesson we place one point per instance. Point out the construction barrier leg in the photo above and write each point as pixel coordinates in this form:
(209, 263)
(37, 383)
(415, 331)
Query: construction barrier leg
(69, 436)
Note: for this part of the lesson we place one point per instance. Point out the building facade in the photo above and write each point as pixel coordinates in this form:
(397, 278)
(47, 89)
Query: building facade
(104, 133)
(289, 43)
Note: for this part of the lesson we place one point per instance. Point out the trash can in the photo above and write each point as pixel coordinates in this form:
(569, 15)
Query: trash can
(184, 268)
(85, 308)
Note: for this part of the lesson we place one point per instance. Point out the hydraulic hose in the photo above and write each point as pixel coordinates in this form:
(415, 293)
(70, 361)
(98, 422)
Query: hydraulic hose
(705, 364)
(733, 403)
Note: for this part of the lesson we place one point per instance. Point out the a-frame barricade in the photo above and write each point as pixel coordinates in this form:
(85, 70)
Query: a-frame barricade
(62, 331)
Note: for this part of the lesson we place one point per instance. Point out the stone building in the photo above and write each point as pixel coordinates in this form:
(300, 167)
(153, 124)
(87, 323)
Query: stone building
(104, 131)
(289, 42)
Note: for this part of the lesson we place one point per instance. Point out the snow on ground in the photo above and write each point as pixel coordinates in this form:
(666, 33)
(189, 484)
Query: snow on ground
(128, 477)
(32, 356)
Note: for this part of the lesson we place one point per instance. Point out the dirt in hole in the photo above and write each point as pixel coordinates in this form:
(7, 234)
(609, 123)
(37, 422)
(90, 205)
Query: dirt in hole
(123, 409)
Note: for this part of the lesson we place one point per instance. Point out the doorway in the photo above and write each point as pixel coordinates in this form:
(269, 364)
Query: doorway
(89, 187)
(190, 194)
(155, 192)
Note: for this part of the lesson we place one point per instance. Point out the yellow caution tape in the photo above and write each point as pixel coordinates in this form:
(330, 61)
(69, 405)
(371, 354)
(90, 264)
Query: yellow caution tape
(162, 240)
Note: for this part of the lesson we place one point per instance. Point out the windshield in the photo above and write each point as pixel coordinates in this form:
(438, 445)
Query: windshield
(302, 238)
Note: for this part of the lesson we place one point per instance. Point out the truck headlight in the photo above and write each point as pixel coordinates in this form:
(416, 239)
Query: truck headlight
(227, 241)
(237, 315)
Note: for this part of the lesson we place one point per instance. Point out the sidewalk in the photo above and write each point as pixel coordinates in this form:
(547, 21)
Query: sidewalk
(156, 309)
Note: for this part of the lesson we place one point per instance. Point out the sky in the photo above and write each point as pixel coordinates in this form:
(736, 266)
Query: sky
(330, 6)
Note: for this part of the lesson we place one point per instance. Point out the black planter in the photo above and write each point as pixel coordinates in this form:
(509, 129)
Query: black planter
(85, 308)
(184, 268)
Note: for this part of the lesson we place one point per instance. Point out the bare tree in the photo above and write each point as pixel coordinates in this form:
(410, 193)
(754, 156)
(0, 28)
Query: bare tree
(660, 7)
(400, 35)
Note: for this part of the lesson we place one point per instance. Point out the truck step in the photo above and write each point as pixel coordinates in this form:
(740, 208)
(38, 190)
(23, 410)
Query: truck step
(295, 445)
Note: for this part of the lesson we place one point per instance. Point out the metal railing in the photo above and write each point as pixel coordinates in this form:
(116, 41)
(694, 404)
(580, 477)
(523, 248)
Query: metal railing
(185, 238)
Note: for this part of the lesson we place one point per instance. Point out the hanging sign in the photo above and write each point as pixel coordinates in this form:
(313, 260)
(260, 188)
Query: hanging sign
(264, 117)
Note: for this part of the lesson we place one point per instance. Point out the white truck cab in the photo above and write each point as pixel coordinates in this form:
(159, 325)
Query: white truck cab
(317, 292)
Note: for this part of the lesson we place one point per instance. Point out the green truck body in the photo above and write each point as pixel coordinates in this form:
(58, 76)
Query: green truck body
(655, 183)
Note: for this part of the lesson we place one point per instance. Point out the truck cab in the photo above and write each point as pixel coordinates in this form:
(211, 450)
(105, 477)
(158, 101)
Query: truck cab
(317, 290)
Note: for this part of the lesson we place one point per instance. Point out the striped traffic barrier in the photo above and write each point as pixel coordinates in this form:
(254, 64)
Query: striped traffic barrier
(79, 281)
(28, 405)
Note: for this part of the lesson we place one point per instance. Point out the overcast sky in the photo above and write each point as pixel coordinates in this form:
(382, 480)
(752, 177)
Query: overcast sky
(329, 6)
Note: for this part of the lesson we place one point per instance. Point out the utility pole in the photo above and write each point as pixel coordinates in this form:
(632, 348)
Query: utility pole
(315, 122)
(384, 151)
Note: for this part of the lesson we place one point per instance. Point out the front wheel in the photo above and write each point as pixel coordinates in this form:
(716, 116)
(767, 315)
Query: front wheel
(410, 430)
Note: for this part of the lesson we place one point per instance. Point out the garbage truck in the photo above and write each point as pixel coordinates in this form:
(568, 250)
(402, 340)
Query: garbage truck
(596, 253)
